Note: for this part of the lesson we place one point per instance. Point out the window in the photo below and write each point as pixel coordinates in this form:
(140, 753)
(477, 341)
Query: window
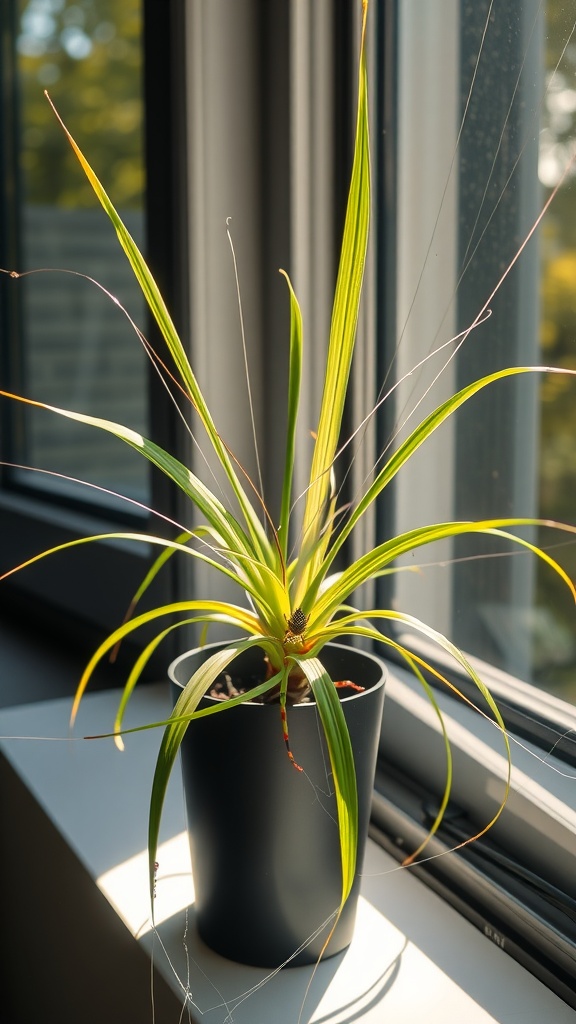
(64, 341)
(483, 119)
(468, 194)
(89, 58)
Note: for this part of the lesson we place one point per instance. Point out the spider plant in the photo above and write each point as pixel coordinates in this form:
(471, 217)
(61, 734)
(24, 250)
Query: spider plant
(290, 604)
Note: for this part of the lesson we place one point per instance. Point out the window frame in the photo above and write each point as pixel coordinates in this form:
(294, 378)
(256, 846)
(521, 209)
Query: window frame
(79, 587)
(536, 829)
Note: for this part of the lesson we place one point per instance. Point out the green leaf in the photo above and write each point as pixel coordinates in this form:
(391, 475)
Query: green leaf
(294, 378)
(415, 669)
(346, 626)
(210, 507)
(158, 565)
(183, 714)
(405, 451)
(342, 336)
(257, 575)
(367, 566)
(143, 659)
(162, 317)
(342, 764)
(208, 611)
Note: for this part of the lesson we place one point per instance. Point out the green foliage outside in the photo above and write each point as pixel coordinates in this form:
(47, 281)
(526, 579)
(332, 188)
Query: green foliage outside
(88, 55)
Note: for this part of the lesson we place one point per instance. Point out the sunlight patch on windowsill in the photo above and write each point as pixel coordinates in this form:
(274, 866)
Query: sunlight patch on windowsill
(379, 952)
(126, 885)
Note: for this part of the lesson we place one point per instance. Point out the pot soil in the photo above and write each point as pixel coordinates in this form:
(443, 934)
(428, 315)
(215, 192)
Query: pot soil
(263, 836)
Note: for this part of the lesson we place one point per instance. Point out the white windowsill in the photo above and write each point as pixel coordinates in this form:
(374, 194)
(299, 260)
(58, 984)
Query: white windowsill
(412, 958)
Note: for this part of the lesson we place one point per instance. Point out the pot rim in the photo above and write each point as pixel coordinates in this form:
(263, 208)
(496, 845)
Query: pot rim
(218, 644)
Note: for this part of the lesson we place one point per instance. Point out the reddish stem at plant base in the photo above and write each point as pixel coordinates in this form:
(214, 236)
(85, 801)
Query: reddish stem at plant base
(284, 718)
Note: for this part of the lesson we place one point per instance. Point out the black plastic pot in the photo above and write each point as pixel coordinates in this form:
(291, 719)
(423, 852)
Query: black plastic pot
(263, 836)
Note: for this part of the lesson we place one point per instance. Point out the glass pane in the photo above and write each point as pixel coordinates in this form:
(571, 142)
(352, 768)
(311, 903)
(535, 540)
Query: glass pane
(498, 141)
(556, 665)
(76, 348)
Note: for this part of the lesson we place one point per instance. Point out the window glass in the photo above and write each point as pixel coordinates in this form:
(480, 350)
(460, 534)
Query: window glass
(484, 138)
(74, 347)
(556, 664)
